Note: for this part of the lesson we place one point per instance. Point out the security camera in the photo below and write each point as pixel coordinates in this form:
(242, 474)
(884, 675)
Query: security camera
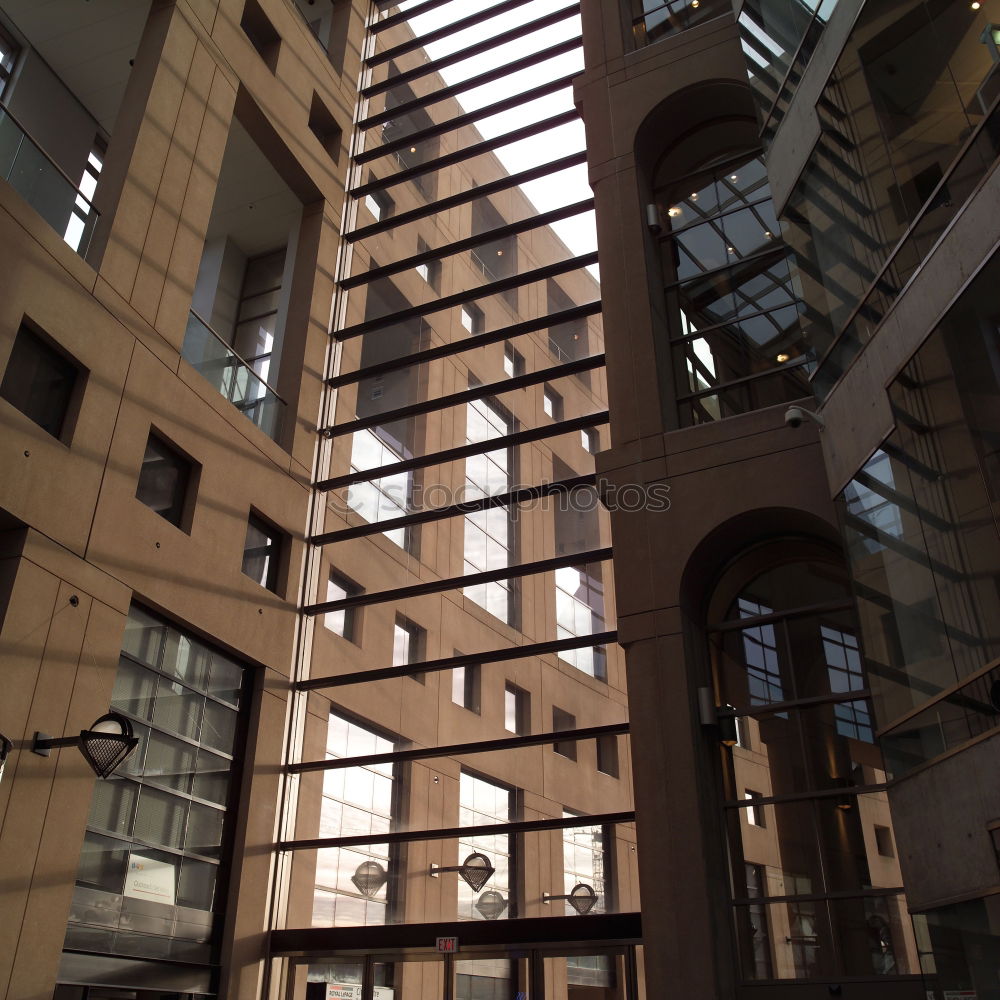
(653, 218)
(795, 415)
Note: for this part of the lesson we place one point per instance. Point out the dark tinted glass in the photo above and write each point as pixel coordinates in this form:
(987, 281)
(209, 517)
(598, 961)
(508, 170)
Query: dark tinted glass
(39, 381)
(163, 480)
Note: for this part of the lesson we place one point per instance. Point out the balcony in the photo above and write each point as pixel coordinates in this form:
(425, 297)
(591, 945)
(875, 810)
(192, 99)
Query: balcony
(40, 182)
(233, 377)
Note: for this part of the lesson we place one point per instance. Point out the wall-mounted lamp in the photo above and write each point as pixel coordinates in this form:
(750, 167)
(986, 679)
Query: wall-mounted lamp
(491, 904)
(476, 870)
(581, 897)
(369, 878)
(653, 218)
(722, 717)
(991, 39)
(105, 746)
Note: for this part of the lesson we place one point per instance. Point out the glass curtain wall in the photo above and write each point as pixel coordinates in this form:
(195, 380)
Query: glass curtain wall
(923, 543)
(908, 131)
(816, 894)
(151, 877)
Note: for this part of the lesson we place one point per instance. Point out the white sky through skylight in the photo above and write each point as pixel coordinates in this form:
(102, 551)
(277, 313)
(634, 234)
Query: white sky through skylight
(567, 186)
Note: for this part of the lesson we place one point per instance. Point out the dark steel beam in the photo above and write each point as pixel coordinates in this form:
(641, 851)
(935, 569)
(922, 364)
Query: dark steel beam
(465, 451)
(469, 243)
(463, 197)
(564, 370)
(469, 295)
(477, 48)
(455, 582)
(461, 155)
(454, 832)
(523, 495)
(466, 659)
(599, 929)
(459, 749)
(450, 124)
(469, 344)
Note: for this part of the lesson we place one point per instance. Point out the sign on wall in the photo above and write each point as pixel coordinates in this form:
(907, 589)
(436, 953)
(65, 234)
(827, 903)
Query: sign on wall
(148, 878)
(448, 945)
(340, 991)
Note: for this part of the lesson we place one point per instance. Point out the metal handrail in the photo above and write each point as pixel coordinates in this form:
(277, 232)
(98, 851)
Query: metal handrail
(5, 110)
(208, 326)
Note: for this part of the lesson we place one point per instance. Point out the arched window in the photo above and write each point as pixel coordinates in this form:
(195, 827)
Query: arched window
(732, 304)
(816, 887)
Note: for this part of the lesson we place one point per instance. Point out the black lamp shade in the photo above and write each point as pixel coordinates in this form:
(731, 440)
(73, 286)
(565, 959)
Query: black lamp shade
(476, 870)
(369, 878)
(582, 898)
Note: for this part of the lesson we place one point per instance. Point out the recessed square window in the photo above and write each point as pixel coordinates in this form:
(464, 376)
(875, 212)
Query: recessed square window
(562, 720)
(516, 710)
(883, 841)
(379, 203)
(40, 381)
(166, 481)
(513, 361)
(429, 270)
(465, 687)
(472, 319)
(754, 811)
(262, 34)
(347, 621)
(262, 552)
(408, 644)
(607, 755)
(589, 440)
(552, 403)
(324, 126)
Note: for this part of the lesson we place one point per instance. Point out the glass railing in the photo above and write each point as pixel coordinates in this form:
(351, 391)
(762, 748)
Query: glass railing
(234, 378)
(40, 182)
(674, 16)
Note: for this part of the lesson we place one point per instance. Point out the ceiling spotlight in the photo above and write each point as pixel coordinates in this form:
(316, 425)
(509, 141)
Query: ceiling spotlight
(674, 211)
(768, 235)
(695, 3)
(413, 149)
(975, 5)
(731, 249)
(733, 178)
(499, 253)
(694, 195)
(782, 358)
(105, 746)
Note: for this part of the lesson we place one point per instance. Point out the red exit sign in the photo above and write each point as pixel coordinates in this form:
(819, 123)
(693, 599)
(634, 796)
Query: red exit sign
(448, 945)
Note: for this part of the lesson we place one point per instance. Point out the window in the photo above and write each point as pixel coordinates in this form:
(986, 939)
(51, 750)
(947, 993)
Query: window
(754, 811)
(165, 481)
(513, 362)
(346, 622)
(473, 319)
(562, 721)
(82, 218)
(465, 686)
(607, 755)
(757, 957)
(39, 381)
(883, 841)
(262, 34)
(516, 710)
(429, 270)
(590, 440)
(586, 860)
(167, 811)
(262, 552)
(378, 202)
(552, 403)
(324, 126)
(355, 799)
(488, 533)
(580, 612)
(384, 498)
(9, 51)
(408, 642)
(482, 802)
